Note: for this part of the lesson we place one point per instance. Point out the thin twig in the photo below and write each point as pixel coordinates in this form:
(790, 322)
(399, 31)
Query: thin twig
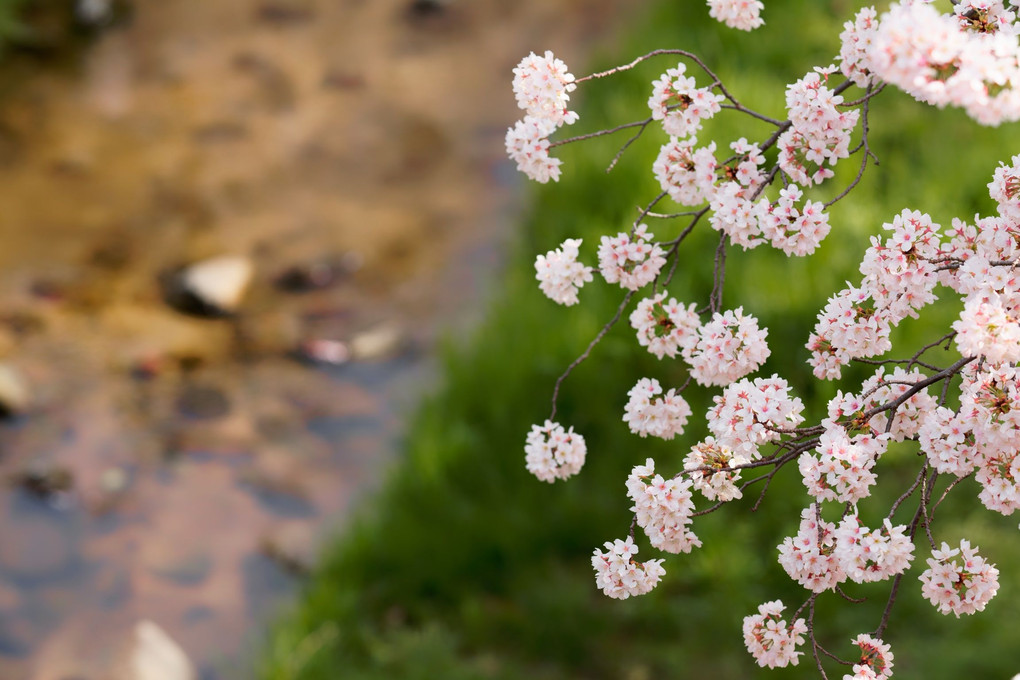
(584, 355)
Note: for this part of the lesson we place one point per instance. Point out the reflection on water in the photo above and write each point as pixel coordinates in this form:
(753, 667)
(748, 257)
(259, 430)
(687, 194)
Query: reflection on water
(179, 467)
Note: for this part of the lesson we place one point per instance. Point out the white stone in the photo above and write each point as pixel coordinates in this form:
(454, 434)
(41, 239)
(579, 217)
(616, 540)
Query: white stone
(13, 393)
(157, 657)
(220, 281)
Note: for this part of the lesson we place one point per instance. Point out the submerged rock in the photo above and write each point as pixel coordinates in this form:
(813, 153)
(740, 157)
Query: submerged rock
(429, 7)
(44, 481)
(318, 274)
(380, 342)
(202, 402)
(213, 287)
(292, 547)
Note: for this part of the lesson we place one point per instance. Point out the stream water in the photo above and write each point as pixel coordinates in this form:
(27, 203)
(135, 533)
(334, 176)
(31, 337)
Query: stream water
(180, 469)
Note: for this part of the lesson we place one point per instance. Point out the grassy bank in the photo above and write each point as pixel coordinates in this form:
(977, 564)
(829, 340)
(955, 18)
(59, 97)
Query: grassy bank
(465, 566)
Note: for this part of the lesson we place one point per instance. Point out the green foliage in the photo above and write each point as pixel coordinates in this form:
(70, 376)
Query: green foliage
(465, 566)
(12, 26)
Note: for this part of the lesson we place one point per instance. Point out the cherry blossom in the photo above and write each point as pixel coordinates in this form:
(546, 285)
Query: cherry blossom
(729, 347)
(686, 173)
(619, 575)
(842, 469)
(541, 85)
(867, 555)
(527, 144)
(665, 327)
(810, 556)
(953, 407)
(749, 414)
(855, 46)
(651, 412)
(741, 14)
(559, 273)
(718, 482)
(663, 508)
(958, 580)
(876, 660)
(554, 453)
(794, 231)
(770, 640)
(631, 261)
(680, 104)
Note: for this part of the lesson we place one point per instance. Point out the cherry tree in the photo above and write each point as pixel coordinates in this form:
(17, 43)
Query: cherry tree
(969, 59)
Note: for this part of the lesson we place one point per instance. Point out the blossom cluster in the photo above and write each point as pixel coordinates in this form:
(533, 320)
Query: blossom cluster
(969, 59)
(770, 639)
(665, 327)
(663, 508)
(819, 130)
(619, 575)
(559, 273)
(843, 469)
(632, 260)
(750, 413)
(710, 464)
(793, 230)
(680, 104)
(958, 580)
(876, 660)
(741, 14)
(899, 275)
(650, 412)
(542, 85)
(553, 453)
(822, 554)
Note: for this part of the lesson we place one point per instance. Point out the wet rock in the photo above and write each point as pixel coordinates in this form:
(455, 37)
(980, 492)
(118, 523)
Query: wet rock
(148, 367)
(343, 80)
(266, 334)
(114, 255)
(44, 481)
(213, 287)
(114, 480)
(47, 290)
(318, 274)
(276, 89)
(286, 11)
(226, 131)
(332, 352)
(157, 657)
(13, 391)
(292, 547)
(189, 569)
(276, 480)
(202, 402)
(429, 7)
(380, 342)
(93, 12)
(112, 586)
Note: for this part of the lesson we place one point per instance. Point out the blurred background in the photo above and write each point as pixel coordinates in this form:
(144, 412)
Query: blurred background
(236, 236)
(231, 232)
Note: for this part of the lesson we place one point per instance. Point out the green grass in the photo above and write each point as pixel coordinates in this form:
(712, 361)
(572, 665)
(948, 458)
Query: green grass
(465, 566)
